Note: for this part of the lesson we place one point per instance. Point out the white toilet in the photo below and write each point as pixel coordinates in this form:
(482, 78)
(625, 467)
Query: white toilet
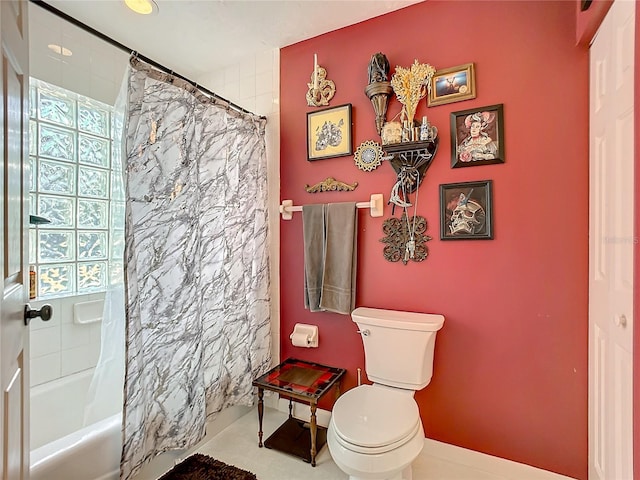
(375, 430)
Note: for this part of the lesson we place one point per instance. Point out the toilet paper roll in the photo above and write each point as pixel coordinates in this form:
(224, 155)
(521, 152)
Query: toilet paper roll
(299, 339)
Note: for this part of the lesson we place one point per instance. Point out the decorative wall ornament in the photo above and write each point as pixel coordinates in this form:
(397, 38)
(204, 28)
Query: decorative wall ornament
(330, 184)
(411, 84)
(368, 156)
(321, 89)
(398, 235)
(428, 132)
(391, 133)
(379, 89)
(410, 160)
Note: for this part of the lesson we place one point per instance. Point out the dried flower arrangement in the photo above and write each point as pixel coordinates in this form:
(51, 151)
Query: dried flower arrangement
(412, 84)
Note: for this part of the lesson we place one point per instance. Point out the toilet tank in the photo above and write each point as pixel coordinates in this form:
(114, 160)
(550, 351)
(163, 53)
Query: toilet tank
(398, 346)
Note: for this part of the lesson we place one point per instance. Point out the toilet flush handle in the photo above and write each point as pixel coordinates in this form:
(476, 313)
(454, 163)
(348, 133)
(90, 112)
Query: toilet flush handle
(364, 333)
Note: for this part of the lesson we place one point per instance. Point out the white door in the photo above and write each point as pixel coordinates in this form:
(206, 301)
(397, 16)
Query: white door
(14, 340)
(611, 220)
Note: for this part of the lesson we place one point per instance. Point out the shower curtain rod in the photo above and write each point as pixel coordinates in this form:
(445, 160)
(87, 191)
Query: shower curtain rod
(119, 45)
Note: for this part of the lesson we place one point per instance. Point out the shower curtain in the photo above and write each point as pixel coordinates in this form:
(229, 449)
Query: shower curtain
(196, 266)
(104, 397)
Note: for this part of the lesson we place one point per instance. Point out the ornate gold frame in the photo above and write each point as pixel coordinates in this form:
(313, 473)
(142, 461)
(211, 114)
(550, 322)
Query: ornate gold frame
(466, 91)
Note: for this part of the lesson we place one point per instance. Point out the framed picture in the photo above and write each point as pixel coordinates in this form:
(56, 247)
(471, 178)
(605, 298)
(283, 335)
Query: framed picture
(452, 85)
(477, 136)
(329, 133)
(466, 211)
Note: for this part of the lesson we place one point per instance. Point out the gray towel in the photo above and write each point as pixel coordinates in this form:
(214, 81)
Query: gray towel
(313, 232)
(340, 258)
(330, 238)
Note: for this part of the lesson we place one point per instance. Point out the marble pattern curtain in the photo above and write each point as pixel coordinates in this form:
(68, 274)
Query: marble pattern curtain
(197, 280)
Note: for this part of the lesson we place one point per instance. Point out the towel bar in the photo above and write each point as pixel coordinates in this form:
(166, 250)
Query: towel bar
(376, 204)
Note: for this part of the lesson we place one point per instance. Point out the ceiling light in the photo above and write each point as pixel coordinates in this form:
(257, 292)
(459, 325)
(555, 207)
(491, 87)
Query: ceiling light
(143, 7)
(60, 50)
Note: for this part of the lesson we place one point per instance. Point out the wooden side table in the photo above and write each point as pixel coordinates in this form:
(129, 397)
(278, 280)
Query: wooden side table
(299, 380)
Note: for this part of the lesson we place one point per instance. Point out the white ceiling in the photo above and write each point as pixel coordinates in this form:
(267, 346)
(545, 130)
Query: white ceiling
(193, 37)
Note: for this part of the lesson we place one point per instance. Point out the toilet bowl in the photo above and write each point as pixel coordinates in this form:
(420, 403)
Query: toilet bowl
(375, 431)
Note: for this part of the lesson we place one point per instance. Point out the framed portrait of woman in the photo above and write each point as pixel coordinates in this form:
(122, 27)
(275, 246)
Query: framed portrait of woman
(477, 136)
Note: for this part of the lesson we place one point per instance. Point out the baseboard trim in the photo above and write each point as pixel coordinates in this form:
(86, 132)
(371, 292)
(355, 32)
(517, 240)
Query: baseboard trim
(489, 463)
(470, 458)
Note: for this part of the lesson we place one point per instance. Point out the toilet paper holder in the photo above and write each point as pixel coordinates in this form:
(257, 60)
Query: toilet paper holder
(304, 335)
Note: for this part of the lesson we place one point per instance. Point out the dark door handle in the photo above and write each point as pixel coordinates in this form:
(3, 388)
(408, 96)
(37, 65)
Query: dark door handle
(45, 313)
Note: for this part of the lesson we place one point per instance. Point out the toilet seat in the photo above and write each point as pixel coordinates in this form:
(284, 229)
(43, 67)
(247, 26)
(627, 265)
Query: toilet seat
(372, 420)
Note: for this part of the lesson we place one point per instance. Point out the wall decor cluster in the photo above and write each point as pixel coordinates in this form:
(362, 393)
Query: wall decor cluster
(452, 85)
(321, 89)
(410, 145)
(330, 184)
(368, 156)
(405, 240)
(466, 210)
(329, 133)
(477, 136)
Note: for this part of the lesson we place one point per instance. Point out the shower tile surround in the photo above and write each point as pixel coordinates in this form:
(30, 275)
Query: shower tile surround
(60, 347)
(96, 70)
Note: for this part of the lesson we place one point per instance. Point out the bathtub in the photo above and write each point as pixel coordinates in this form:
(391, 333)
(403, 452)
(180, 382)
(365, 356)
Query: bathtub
(62, 446)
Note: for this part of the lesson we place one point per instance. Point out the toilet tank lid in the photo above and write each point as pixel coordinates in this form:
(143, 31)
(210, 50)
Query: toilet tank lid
(427, 322)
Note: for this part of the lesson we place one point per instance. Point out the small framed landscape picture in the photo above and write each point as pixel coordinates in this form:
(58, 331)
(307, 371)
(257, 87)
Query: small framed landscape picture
(452, 85)
(477, 136)
(466, 211)
(329, 133)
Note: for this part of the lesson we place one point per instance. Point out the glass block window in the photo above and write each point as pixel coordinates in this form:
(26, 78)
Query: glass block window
(71, 150)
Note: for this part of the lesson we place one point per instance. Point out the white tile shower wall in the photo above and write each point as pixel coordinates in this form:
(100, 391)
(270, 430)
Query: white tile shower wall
(60, 347)
(95, 69)
(254, 84)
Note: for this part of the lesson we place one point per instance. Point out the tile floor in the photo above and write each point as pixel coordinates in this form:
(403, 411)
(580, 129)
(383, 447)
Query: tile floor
(238, 445)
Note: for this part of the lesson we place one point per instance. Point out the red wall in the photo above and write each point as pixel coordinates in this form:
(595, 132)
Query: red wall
(510, 373)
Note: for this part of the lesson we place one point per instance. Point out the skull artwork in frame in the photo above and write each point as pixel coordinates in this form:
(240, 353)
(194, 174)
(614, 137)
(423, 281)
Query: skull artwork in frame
(466, 211)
